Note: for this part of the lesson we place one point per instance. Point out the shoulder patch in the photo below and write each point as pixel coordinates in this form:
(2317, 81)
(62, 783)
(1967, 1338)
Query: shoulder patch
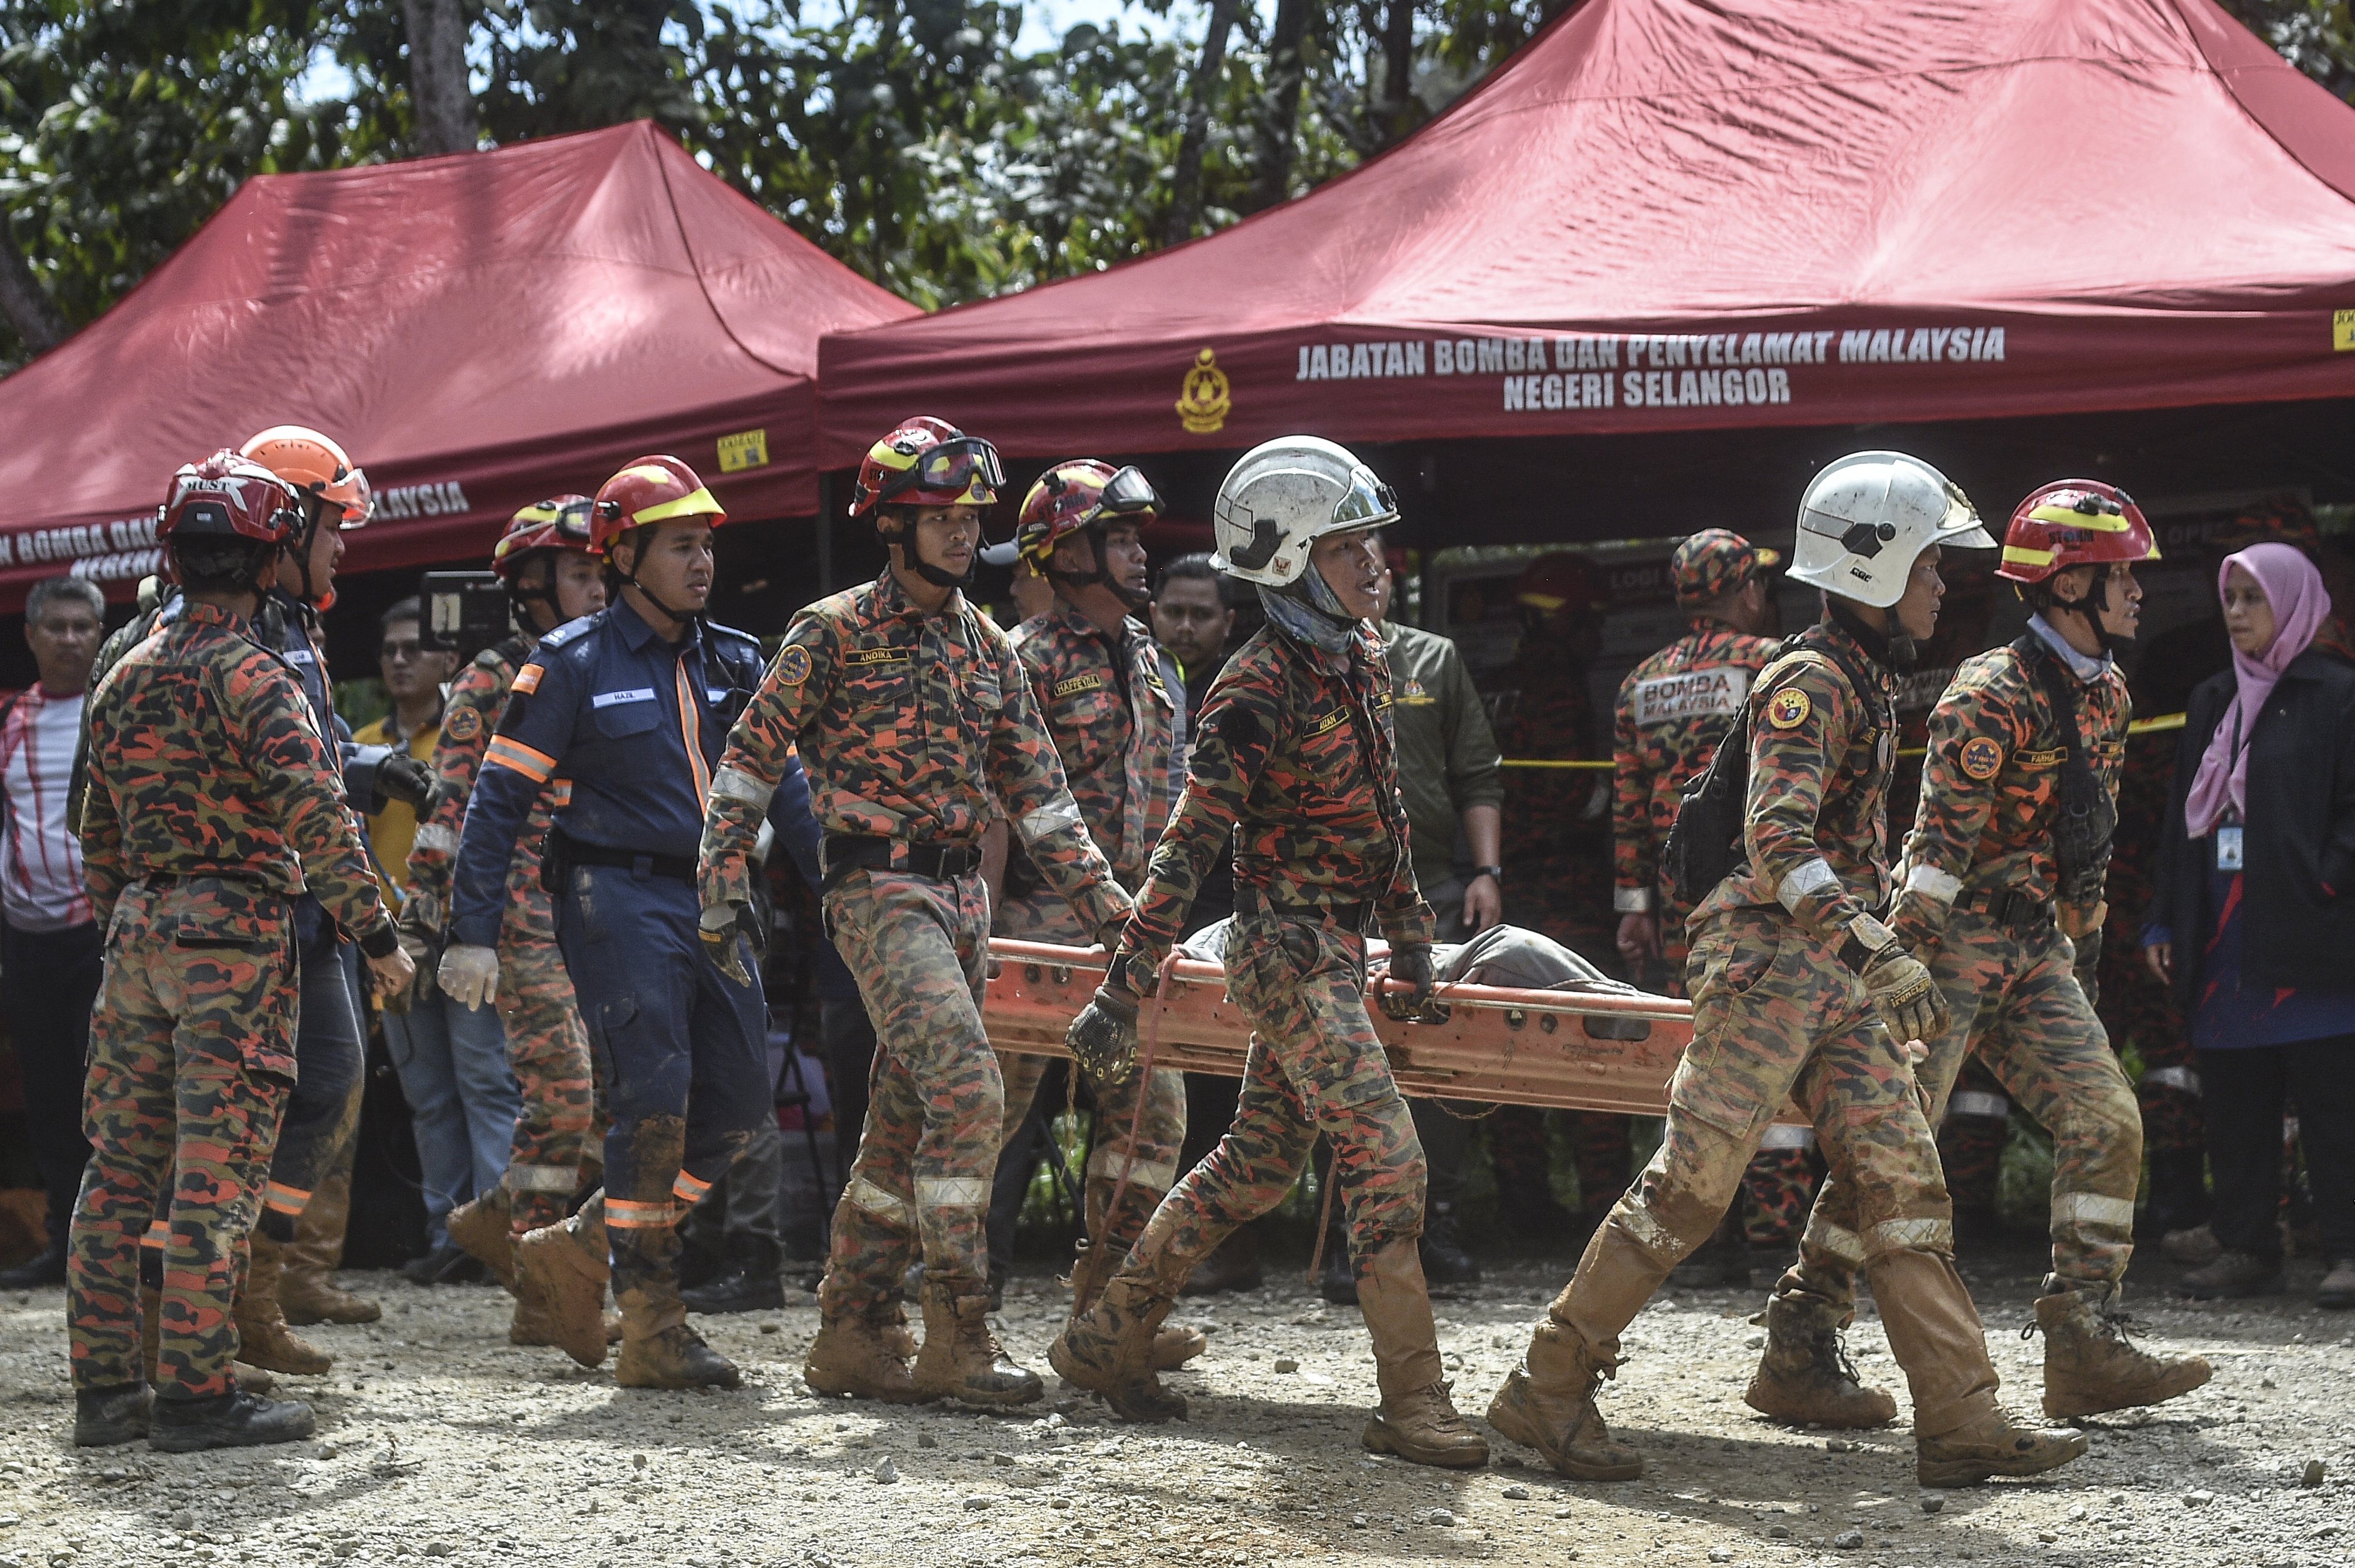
(793, 665)
(1980, 758)
(464, 724)
(1788, 708)
(527, 679)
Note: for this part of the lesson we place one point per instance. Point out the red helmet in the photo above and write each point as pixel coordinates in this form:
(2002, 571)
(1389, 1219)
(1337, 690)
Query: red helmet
(314, 466)
(561, 522)
(927, 463)
(1077, 495)
(651, 490)
(2073, 522)
(1561, 584)
(225, 497)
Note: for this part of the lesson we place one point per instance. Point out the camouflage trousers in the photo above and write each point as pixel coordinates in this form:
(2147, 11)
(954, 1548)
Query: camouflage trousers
(1776, 1016)
(190, 1068)
(936, 1106)
(2016, 1001)
(1151, 1158)
(557, 1122)
(1315, 1065)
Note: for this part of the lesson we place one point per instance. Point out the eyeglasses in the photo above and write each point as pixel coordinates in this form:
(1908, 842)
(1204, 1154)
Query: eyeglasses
(400, 650)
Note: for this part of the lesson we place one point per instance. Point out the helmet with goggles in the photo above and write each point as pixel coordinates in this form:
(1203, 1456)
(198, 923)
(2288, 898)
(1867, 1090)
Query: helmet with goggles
(560, 522)
(927, 463)
(1083, 494)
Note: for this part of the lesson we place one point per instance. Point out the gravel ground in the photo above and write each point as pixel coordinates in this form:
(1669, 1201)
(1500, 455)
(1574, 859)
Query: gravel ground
(438, 1440)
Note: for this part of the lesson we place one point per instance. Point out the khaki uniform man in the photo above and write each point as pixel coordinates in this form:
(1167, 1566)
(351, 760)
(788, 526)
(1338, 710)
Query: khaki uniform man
(1798, 990)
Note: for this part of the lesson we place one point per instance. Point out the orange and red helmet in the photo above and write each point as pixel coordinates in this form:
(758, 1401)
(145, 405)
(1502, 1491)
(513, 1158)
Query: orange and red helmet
(2073, 522)
(225, 497)
(315, 466)
(927, 463)
(649, 491)
(560, 522)
(1077, 495)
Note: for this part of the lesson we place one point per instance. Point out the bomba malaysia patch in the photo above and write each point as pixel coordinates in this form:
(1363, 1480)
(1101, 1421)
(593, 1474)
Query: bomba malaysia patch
(1788, 708)
(463, 725)
(1981, 758)
(794, 664)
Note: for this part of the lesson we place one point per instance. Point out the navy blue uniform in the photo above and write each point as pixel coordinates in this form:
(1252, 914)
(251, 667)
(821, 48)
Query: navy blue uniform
(636, 724)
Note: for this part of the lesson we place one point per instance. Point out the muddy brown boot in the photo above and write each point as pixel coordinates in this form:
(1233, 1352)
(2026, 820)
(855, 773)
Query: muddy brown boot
(1173, 1344)
(659, 1350)
(482, 1227)
(961, 1359)
(307, 1292)
(263, 1339)
(1108, 1350)
(1416, 1420)
(567, 1267)
(1548, 1405)
(2090, 1366)
(1993, 1445)
(1804, 1376)
(857, 1351)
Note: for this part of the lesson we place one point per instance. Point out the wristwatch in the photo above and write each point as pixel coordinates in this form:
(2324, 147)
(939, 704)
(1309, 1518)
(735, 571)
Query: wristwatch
(1495, 872)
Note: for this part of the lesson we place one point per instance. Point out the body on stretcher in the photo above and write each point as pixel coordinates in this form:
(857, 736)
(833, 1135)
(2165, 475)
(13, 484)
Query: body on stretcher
(1527, 1022)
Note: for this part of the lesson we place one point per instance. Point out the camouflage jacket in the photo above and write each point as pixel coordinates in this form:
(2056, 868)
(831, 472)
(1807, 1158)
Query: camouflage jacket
(1815, 822)
(907, 724)
(1117, 716)
(1294, 760)
(206, 760)
(1991, 783)
(469, 719)
(1672, 711)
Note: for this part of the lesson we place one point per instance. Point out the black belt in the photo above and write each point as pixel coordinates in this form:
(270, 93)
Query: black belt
(677, 867)
(1353, 916)
(843, 853)
(2009, 906)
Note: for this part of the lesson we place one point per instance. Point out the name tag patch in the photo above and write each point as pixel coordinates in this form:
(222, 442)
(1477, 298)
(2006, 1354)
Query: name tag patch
(1326, 724)
(1078, 684)
(2230, 853)
(616, 699)
(1694, 694)
(859, 659)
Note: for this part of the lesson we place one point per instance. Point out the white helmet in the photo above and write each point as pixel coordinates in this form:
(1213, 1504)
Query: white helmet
(1866, 520)
(1284, 495)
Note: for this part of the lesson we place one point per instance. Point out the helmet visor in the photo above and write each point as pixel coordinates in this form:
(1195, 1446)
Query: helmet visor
(954, 467)
(362, 505)
(1126, 493)
(1370, 503)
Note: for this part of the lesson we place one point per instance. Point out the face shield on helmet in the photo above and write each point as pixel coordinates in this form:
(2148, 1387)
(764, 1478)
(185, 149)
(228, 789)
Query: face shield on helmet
(1866, 520)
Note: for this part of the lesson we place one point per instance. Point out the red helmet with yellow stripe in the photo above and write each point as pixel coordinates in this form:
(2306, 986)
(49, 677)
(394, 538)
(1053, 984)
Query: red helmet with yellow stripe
(560, 522)
(649, 491)
(927, 463)
(2073, 522)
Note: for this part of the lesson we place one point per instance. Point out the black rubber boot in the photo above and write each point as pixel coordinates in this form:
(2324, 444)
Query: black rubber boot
(1444, 1261)
(106, 1417)
(752, 1285)
(46, 1267)
(234, 1420)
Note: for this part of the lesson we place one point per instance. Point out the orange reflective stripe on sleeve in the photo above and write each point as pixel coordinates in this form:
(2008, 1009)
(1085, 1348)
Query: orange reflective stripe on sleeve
(621, 1214)
(527, 679)
(560, 795)
(509, 752)
(690, 729)
(689, 1188)
(281, 1198)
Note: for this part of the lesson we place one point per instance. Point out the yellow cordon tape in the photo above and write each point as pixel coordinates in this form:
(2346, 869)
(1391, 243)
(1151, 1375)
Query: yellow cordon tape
(2139, 727)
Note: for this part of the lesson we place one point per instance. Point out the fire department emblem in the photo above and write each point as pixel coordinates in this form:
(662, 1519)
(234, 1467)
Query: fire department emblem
(1788, 708)
(1202, 400)
(1981, 758)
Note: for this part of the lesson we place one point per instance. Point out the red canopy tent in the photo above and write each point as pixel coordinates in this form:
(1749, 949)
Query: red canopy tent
(1668, 215)
(480, 331)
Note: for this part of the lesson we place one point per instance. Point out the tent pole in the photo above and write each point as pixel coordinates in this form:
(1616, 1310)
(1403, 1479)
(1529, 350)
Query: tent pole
(825, 533)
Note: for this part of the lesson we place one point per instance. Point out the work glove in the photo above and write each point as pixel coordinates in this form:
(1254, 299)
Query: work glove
(1905, 995)
(1410, 962)
(719, 926)
(403, 778)
(1103, 1038)
(469, 974)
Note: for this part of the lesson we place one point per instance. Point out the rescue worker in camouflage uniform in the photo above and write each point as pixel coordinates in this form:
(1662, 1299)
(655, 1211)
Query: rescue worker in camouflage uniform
(1798, 991)
(1294, 763)
(1115, 705)
(211, 805)
(552, 580)
(1557, 852)
(911, 711)
(1673, 710)
(2001, 888)
(629, 706)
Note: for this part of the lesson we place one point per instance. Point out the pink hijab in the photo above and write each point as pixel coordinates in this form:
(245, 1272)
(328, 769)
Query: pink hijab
(2300, 604)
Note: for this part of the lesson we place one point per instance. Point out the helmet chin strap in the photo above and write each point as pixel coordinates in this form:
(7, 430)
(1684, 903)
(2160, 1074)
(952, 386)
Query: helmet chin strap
(1894, 648)
(2095, 606)
(913, 557)
(1135, 600)
(683, 617)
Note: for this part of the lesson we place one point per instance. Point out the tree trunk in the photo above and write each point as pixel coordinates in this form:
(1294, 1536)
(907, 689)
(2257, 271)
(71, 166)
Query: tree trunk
(1186, 188)
(1399, 114)
(438, 84)
(25, 303)
(1280, 110)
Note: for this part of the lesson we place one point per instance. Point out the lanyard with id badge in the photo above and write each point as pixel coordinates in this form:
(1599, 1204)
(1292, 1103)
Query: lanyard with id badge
(2230, 833)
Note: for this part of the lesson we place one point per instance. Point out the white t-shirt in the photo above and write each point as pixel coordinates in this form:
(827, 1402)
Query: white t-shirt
(40, 862)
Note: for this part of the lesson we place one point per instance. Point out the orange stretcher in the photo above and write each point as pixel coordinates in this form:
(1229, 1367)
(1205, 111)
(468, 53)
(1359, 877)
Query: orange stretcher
(1573, 1050)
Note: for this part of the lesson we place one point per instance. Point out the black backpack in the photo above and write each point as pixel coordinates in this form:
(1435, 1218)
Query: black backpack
(2085, 818)
(1705, 844)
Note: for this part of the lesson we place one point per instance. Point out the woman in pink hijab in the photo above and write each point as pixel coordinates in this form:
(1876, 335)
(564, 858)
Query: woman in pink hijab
(2253, 923)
